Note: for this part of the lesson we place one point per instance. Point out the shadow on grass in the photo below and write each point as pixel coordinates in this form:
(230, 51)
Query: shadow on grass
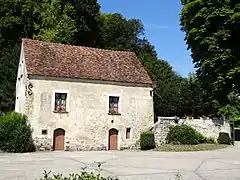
(181, 148)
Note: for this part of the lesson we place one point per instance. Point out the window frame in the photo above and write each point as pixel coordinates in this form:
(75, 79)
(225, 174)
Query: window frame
(67, 103)
(119, 104)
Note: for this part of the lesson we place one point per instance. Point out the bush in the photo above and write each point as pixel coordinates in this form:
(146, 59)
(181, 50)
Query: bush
(147, 140)
(76, 176)
(15, 133)
(183, 134)
(83, 175)
(209, 141)
(224, 138)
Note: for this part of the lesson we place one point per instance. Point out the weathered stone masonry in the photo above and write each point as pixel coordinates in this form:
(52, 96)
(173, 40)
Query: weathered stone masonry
(207, 127)
(70, 93)
(87, 122)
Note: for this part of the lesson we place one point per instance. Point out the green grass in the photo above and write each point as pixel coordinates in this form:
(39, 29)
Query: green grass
(181, 148)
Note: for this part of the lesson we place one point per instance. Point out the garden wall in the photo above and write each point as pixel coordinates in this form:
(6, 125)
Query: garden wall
(208, 127)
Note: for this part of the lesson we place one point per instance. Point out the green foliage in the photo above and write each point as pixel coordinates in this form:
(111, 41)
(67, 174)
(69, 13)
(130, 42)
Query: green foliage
(230, 111)
(9, 58)
(119, 33)
(76, 176)
(194, 100)
(15, 133)
(54, 24)
(212, 29)
(184, 148)
(184, 134)
(16, 19)
(147, 140)
(83, 175)
(73, 22)
(80, 22)
(224, 138)
(209, 141)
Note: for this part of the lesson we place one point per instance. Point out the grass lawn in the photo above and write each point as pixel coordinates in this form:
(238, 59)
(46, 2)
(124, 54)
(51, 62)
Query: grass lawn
(199, 147)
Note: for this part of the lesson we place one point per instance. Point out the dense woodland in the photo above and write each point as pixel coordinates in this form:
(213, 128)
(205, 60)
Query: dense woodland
(212, 32)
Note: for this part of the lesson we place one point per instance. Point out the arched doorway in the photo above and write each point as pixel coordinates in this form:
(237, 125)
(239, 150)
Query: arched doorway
(58, 139)
(113, 139)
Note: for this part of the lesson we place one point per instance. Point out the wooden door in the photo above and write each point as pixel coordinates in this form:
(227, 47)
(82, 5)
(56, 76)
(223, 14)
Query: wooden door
(58, 141)
(113, 139)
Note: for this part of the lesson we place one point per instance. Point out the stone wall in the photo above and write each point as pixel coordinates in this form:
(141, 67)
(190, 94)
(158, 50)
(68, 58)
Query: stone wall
(21, 83)
(208, 127)
(87, 122)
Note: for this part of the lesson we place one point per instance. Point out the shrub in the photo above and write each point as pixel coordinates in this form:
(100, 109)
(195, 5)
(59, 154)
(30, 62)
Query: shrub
(224, 138)
(76, 176)
(83, 175)
(183, 134)
(209, 141)
(15, 133)
(147, 140)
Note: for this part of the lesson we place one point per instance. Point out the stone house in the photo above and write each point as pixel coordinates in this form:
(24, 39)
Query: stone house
(81, 98)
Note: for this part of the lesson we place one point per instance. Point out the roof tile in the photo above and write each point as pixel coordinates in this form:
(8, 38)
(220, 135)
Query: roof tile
(61, 60)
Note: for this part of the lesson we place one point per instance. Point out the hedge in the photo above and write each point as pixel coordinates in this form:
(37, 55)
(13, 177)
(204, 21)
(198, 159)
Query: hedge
(15, 133)
(183, 134)
(224, 138)
(147, 140)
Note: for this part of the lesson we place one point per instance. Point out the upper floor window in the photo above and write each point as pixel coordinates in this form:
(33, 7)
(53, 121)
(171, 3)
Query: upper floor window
(114, 105)
(60, 102)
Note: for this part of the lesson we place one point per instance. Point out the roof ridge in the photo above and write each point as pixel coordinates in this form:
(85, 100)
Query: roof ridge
(63, 60)
(87, 47)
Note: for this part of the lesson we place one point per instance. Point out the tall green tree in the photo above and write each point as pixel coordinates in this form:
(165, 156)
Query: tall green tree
(53, 23)
(195, 101)
(212, 33)
(86, 14)
(173, 94)
(120, 33)
(70, 21)
(16, 19)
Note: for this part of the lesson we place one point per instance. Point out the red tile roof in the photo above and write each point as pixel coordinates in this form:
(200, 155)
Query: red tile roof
(61, 60)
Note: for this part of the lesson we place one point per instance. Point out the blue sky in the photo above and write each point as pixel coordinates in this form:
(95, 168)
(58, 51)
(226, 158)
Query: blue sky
(161, 21)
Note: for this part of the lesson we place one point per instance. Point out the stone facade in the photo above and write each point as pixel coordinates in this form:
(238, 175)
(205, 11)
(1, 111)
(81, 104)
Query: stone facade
(207, 127)
(87, 122)
(21, 84)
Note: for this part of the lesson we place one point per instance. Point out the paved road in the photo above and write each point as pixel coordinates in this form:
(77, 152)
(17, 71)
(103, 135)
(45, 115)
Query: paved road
(210, 165)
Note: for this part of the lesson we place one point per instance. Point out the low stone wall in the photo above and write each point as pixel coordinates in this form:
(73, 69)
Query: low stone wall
(207, 127)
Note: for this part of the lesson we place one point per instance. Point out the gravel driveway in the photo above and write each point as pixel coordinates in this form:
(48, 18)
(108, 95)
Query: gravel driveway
(221, 164)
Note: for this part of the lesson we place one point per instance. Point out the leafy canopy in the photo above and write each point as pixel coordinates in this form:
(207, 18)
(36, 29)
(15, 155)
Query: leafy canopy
(212, 33)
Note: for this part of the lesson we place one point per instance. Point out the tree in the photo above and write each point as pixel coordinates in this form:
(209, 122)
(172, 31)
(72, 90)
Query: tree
(86, 14)
(231, 111)
(53, 22)
(70, 21)
(9, 57)
(195, 101)
(167, 93)
(174, 95)
(212, 33)
(120, 33)
(16, 19)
